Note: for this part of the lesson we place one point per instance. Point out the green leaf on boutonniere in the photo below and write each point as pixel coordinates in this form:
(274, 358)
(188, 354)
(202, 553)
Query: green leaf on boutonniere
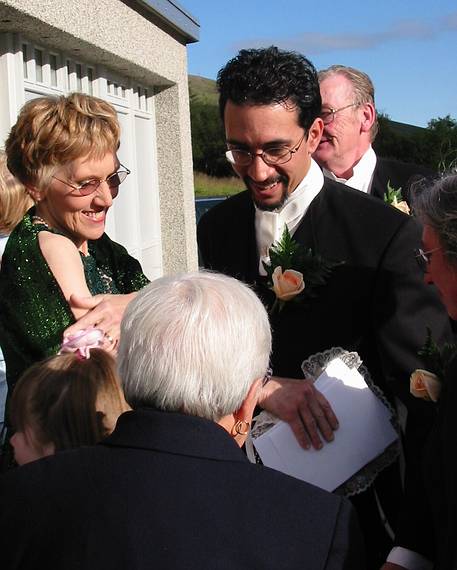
(437, 358)
(394, 197)
(294, 271)
(393, 194)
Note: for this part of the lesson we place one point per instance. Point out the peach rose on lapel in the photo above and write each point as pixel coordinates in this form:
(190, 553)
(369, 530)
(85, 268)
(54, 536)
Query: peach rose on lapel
(287, 285)
(401, 205)
(424, 384)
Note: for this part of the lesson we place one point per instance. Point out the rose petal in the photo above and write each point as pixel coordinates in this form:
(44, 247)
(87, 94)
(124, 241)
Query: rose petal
(425, 385)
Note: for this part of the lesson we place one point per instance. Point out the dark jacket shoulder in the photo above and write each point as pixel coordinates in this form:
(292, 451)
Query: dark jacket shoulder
(397, 174)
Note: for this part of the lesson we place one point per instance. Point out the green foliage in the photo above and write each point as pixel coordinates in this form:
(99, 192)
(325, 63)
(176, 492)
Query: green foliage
(435, 146)
(435, 358)
(440, 142)
(395, 141)
(393, 194)
(208, 139)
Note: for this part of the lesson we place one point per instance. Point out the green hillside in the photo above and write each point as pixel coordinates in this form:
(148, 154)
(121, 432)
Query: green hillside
(203, 90)
(405, 130)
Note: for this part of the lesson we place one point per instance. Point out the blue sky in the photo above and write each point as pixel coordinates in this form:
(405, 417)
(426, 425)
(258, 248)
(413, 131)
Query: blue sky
(408, 48)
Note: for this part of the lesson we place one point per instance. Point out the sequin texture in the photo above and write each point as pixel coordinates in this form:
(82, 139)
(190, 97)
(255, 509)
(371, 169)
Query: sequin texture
(33, 311)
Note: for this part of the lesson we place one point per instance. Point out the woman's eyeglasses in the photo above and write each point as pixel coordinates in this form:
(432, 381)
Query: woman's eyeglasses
(423, 257)
(90, 186)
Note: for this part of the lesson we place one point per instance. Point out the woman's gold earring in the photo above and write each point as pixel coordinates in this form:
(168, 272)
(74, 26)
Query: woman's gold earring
(242, 427)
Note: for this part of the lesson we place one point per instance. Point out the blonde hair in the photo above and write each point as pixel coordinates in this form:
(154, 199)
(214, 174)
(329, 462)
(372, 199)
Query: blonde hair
(69, 401)
(14, 200)
(51, 132)
(362, 87)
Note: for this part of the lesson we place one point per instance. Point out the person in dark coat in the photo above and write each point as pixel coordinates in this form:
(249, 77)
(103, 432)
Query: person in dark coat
(431, 526)
(171, 488)
(374, 301)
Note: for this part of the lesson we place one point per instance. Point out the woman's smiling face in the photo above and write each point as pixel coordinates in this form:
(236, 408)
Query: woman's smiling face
(81, 218)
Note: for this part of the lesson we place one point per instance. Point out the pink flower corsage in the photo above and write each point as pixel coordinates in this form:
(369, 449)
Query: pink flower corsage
(82, 341)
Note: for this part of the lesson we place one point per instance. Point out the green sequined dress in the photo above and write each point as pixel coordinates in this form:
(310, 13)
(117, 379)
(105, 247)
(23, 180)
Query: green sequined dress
(33, 310)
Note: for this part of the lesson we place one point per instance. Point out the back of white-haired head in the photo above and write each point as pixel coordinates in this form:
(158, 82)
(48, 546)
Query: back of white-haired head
(193, 343)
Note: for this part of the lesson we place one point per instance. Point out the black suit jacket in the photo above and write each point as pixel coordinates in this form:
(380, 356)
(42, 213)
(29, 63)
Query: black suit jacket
(169, 491)
(399, 174)
(375, 303)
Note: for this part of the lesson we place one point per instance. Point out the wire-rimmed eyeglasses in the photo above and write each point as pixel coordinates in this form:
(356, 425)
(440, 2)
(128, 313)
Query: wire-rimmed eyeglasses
(271, 156)
(267, 377)
(327, 115)
(423, 257)
(90, 186)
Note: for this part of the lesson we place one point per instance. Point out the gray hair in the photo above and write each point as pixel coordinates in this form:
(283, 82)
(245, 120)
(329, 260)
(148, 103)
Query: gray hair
(435, 204)
(362, 87)
(193, 343)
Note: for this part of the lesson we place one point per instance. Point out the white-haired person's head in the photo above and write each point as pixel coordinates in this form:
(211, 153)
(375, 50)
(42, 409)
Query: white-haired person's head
(196, 343)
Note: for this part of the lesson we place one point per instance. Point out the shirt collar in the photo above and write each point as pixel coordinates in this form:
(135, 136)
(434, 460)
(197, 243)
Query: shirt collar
(269, 226)
(363, 171)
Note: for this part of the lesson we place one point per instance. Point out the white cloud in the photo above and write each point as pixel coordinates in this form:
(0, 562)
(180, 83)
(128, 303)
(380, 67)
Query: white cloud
(315, 43)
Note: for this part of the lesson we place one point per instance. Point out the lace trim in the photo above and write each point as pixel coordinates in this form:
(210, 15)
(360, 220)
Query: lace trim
(312, 368)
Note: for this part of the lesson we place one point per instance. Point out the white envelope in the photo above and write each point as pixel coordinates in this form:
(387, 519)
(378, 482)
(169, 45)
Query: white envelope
(364, 433)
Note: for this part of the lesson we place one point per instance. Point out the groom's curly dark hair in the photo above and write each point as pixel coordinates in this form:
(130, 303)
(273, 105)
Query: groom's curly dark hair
(270, 75)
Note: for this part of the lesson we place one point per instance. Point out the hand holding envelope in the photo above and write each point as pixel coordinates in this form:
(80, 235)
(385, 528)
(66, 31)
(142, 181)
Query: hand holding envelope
(365, 432)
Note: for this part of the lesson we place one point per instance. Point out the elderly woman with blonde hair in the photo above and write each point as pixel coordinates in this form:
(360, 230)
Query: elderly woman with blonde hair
(64, 151)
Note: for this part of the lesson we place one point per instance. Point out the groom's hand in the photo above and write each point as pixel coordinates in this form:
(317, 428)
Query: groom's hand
(304, 408)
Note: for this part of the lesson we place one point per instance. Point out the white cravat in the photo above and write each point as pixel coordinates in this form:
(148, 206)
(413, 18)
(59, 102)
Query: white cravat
(362, 175)
(269, 226)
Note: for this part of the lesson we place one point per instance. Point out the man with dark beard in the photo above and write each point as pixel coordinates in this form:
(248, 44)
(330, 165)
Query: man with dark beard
(374, 302)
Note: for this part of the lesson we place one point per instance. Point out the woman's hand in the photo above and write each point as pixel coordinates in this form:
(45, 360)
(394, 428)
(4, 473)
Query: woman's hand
(104, 312)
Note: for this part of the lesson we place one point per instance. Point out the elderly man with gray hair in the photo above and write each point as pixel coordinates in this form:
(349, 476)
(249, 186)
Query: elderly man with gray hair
(171, 488)
(350, 127)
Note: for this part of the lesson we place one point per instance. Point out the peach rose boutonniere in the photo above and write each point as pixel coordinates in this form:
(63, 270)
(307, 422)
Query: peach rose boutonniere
(293, 271)
(394, 197)
(424, 384)
(287, 285)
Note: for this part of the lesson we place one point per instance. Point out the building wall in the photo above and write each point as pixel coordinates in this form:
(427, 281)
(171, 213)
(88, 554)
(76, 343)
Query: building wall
(113, 35)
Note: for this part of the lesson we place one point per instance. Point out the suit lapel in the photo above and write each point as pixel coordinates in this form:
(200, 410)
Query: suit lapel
(243, 248)
(305, 234)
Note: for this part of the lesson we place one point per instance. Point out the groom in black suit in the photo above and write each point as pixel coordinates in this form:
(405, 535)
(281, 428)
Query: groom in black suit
(350, 126)
(375, 302)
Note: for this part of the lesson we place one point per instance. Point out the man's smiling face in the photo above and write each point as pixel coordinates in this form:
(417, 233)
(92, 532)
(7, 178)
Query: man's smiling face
(256, 128)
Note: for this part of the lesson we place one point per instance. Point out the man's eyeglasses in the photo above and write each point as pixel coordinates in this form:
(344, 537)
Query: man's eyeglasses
(271, 156)
(327, 115)
(90, 186)
(423, 257)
